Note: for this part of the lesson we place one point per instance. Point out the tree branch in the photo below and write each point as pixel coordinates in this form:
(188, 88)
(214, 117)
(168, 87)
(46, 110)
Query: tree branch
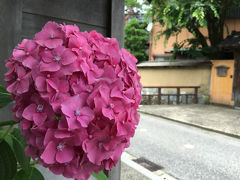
(192, 28)
(128, 15)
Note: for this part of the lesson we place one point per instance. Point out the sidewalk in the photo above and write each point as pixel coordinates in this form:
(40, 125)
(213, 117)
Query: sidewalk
(219, 119)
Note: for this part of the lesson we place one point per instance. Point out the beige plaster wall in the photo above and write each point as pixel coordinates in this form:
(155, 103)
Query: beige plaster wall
(180, 76)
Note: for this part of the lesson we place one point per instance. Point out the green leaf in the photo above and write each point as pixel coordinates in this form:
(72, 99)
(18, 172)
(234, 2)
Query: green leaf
(36, 174)
(100, 176)
(19, 145)
(21, 175)
(17, 134)
(8, 138)
(5, 97)
(32, 174)
(8, 163)
(3, 89)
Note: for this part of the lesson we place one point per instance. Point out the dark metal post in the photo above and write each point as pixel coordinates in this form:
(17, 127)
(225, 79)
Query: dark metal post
(236, 80)
(159, 95)
(196, 95)
(178, 94)
(149, 99)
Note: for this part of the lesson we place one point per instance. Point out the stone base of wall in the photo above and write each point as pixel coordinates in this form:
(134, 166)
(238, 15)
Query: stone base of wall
(202, 98)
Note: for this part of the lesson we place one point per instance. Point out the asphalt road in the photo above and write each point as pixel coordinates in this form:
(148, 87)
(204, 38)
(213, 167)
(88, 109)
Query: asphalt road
(185, 152)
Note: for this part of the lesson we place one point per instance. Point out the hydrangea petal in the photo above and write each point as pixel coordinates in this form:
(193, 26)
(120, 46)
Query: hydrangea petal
(48, 156)
(39, 118)
(30, 62)
(51, 67)
(29, 111)
(65, 155)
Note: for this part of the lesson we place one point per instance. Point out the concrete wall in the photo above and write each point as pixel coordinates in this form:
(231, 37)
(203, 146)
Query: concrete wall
(221, 87)
(157, 47)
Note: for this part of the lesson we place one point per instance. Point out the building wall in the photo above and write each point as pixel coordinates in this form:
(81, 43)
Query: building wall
(158, 47)
(221, 87)
(177, 76)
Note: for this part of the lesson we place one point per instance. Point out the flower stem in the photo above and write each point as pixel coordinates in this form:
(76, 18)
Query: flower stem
(7, 123)
(6, 133)
(32, 164)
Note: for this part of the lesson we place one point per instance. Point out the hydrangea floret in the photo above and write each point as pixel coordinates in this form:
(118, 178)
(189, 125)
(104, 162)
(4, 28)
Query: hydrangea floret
(77, 95)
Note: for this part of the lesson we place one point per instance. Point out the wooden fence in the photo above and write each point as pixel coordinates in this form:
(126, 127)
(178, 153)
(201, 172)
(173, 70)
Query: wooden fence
(178, 93)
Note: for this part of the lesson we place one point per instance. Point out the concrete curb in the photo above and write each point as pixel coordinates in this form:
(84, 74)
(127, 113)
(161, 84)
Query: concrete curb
(156, 175)
(193, 125)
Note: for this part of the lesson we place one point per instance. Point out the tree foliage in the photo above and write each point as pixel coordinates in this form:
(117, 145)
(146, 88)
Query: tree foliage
(136, 39)
(176, 15)
(132, 3)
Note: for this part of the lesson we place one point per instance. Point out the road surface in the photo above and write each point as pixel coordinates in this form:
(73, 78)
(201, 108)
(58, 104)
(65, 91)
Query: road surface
(185, 152)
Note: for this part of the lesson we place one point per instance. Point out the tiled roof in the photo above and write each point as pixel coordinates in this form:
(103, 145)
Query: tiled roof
(231, 41)
(233, 12)
(175, 63)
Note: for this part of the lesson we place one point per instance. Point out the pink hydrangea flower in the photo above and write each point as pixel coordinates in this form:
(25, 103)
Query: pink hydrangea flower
(53, 60)
(38, 111)
(77, 95)
(22, 82)
(26, 53)
(57, 152)
(51, 36)
(76, 111)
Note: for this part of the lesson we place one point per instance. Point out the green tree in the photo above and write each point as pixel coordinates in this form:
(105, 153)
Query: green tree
(136, 39)
(175, 15)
